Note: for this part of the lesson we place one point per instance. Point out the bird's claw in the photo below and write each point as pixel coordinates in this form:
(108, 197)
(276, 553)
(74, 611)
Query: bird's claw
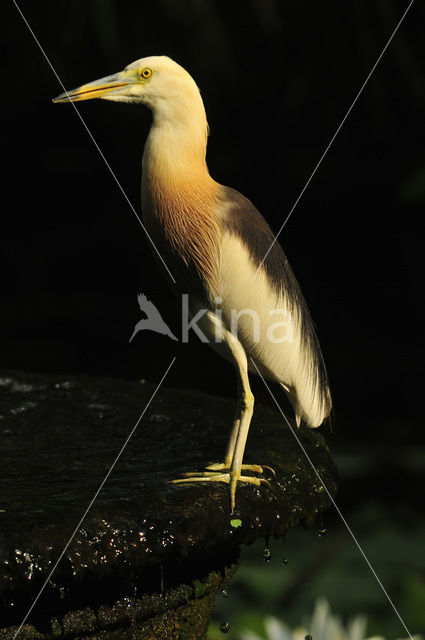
(221, 473)
(272, 471)
(266, 482)
(254, 468)
(206, 474)
(212, 476)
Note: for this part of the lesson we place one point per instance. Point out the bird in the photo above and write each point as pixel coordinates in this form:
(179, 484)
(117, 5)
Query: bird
(223, 255)
(153, 322)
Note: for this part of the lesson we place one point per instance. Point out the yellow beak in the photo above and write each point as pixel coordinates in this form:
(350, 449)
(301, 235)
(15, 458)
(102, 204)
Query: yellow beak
(108, 86)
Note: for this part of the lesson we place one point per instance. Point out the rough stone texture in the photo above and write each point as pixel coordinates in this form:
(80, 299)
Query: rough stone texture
(143, 543)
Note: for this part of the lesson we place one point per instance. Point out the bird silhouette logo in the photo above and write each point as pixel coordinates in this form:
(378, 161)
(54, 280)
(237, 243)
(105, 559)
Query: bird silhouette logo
(153, 322)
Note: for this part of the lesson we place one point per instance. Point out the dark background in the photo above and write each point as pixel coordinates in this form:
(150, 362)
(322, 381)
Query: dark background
(277, 78)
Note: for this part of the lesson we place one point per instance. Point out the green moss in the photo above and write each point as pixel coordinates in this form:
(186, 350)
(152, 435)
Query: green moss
(199, 588)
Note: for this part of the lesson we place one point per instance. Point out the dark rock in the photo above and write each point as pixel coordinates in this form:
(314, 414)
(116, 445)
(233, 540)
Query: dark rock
(146, 555)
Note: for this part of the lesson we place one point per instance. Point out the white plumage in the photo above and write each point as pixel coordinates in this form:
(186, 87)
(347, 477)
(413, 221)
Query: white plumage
(213, 240)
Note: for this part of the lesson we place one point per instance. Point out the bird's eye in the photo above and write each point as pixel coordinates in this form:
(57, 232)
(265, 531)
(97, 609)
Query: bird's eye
(145, 73)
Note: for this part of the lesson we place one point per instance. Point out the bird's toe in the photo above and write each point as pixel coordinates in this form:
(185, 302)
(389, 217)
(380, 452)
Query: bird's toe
(272, 471)
(218, 466)
(202, 476)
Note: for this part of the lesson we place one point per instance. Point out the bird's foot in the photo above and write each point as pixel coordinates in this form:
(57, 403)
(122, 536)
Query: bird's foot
(255, 468)
(228, 476)
(212, 476)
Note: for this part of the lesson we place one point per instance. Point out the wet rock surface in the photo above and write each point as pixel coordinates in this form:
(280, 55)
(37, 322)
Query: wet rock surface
(141, 537)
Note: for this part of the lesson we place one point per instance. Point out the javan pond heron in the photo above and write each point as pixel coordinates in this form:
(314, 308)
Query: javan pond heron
(222, 253)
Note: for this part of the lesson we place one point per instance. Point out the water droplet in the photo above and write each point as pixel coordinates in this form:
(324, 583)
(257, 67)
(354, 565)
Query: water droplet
(65, 385)
(225, 593)
(224, 627)
(158, 418)
(285, 561)
(321, 533)
(267, 554)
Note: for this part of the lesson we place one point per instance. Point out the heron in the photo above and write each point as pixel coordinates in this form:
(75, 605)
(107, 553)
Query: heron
(223, 254)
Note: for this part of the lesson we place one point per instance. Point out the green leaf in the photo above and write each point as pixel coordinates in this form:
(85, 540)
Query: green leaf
(235, 522)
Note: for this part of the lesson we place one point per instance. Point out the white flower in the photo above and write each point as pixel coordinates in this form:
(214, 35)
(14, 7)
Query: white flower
(275, 629)
(323, 626)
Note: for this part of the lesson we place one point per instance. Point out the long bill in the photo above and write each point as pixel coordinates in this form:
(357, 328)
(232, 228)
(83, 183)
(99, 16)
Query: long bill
(115, 84)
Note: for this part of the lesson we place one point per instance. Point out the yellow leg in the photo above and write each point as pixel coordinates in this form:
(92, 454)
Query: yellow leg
(220, 466)
(247, 409)
(226, 465)
(229, 471)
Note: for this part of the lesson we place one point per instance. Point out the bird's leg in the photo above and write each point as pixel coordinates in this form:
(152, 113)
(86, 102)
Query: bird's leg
(227, 464)
(235, 430)
(246, 400)
(220, 466)
(230, 471)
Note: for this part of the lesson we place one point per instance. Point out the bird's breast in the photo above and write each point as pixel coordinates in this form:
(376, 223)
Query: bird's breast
(180, 216)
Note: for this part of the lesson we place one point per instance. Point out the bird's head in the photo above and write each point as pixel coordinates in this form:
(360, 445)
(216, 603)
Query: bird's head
(157, 81)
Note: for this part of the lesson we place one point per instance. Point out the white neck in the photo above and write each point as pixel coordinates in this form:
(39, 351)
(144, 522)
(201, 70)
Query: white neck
(178, 194)
(177, 140)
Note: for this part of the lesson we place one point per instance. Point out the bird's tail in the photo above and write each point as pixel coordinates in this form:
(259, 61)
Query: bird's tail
(312, 402)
